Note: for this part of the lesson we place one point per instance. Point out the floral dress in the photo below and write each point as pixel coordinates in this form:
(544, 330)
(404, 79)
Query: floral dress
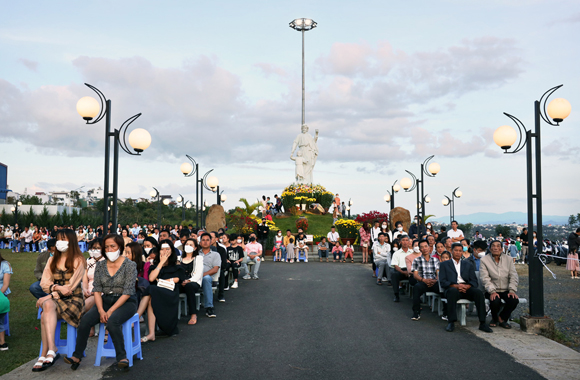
(365, 237)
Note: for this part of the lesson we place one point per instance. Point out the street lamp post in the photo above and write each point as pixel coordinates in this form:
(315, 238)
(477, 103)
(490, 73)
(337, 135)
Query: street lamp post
(390, 196)
(183, 202)
(189, 170)
(430, 171)
(349, 206)
(14, 209)
(139, 139)
(155, 195)
(303, 25)
(506, 136)
(409, 185)
(451, 203)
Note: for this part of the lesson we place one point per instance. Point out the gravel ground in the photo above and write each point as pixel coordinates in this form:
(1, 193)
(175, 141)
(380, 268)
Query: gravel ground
(561, 302)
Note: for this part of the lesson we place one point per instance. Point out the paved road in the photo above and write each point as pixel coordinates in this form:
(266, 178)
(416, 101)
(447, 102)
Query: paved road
(320, 321)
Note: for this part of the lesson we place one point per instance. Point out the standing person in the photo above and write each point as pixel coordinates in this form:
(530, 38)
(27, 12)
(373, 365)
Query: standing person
(524, 239)
(365, 238)
(26, 239)
(343, 209)
(192, 264)
(456, 235)
(417, 229)
(572, 263)
(290, 250)
(115, 300)
(375, 231)
(263, 231)
(279, 204)
(61, 280)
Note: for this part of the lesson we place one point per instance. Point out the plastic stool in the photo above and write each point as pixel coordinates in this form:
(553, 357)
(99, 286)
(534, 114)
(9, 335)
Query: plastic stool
(182, 300)
(6, 325)
(63, 345)
(132, 342)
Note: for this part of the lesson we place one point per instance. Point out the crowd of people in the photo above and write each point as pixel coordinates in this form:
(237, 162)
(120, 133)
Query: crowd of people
(133, 270)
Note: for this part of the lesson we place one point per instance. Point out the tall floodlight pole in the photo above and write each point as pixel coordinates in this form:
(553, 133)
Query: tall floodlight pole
(303, 25)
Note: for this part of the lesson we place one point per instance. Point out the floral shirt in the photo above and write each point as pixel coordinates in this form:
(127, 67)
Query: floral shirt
(364, 235)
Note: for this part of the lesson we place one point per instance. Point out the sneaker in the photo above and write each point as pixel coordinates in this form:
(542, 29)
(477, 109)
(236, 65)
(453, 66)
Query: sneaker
(235, 285)
(384, 279)
(444, 317)
(256, 278)
(222, 299)
(228, 288)
(210, 313)
(416, 317)
(4, 347)
(305, 260)
(247, 277)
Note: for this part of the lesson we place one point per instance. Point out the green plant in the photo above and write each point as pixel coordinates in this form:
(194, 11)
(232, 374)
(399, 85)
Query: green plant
(347, 228)
(302, 223)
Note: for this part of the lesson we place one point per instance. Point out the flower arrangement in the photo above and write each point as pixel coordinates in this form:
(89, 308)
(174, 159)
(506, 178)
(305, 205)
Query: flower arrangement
(272, 226)
(302, 223)
(373, 216)
(312, 194)
(347, 228)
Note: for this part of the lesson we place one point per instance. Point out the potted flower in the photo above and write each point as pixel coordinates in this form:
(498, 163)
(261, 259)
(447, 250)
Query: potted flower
(347, 229)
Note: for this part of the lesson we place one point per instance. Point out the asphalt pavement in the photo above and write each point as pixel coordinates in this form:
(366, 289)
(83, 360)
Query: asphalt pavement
(320, 321)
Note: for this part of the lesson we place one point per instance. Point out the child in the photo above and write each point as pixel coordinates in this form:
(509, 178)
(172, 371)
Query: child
(290, 251)
(302, 248)
(277, 250)
(348, 251)
(337, 252)
(323, 249)
(300, 162)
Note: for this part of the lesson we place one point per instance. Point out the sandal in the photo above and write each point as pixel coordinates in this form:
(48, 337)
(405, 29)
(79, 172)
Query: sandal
(73, 365)
(50, 360)
(493, 324)
(505, 325)
(39, 363)
(145, 340)
(190, 323)
(124, 363)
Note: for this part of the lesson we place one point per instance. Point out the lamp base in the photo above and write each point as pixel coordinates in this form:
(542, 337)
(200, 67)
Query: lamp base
(538, 325)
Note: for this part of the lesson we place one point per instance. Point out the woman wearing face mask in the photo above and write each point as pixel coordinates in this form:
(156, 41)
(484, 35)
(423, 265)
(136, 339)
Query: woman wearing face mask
(94, 257)
(192, 264)
(278, 245)
(399, 232)
(162, 302)
(114, 292)
(467, 254)
(365, 241)
(151, 248)
(61, 280)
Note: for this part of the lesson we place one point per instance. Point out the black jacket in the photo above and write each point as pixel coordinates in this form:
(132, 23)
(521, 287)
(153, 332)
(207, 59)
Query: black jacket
(573, 242)
(448, 274)
(263, 231)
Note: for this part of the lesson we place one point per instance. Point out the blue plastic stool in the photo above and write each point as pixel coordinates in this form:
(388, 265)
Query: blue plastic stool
(132, 342)
(2, 245)
(83, 246)
(301, 255)
(6, 325)
(63, 345)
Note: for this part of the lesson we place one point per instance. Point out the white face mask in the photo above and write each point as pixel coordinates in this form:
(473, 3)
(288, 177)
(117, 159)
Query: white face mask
(188, 249)
(147, 250)
(399, 229)
(94, 252)
(221, 241)
(481, 254)
(416, 249)
(239, 241)
(113, 256)
(384, 226)
(279, 233)
(62, 245)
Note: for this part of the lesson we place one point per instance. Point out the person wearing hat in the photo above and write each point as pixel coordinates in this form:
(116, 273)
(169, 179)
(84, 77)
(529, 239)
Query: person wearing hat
(41, 260)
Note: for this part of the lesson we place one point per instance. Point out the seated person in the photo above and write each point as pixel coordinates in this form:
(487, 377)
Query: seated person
(399, 265)
(41, 261)
(409, 261)
(424, 269)
(348, 250)
(443, 256)
(302, 249)
(114, 298)
(499, 278)
(95, 255)
(458, 280)
(323, 249)
(467, 254)
(278, 249)
(253, 251)
(235, 256)
(336, 252)
(382, 257)
(290, 250)
(192, 264)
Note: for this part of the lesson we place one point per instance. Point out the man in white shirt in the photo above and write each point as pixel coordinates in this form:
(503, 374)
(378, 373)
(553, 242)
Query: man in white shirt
(399, 265)
(253, 251)
(382, 256)
(26, 238)
(456, 235)
(332, 236)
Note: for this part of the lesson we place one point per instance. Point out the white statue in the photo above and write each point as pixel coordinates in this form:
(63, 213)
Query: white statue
(307, 155)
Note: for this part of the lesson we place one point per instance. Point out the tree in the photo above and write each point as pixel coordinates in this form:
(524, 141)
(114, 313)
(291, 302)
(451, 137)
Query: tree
(572, 220)
(30, 200)
(505, 231)
(466, 228)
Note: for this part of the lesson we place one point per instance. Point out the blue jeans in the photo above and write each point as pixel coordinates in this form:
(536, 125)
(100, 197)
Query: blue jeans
(36, 290)
(206, 284)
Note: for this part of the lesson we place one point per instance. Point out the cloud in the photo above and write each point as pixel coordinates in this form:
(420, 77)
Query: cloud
(30, 65)
(366, 101)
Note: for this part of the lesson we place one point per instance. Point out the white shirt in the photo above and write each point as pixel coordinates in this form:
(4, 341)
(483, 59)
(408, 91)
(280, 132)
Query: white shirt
(375, 234)
(399, 258)
(455, 234)
(399, 233)
(332, 236)
(457, 265)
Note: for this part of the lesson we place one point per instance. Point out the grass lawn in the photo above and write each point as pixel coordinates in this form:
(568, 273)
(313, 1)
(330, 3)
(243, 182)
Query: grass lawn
(24, 339)
(317, 224)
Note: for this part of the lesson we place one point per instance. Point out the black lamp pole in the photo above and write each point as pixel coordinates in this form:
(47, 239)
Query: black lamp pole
(450, 204)
(525, 139)
(118, 142)
(425, 170)
(416, 183)
(158, 196)
(203, 183)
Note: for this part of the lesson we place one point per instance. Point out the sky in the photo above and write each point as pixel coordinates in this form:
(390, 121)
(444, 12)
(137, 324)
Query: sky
(388, 84)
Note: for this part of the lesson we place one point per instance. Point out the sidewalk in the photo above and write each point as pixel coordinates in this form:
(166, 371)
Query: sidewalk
(550, 359)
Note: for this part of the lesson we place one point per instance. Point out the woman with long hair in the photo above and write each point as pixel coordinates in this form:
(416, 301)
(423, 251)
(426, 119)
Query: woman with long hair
(365, 238)
(61, 280)
(192, 263)
(95, 255)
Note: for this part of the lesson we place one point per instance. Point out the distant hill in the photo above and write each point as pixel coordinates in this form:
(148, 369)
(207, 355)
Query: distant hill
(505, 218)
